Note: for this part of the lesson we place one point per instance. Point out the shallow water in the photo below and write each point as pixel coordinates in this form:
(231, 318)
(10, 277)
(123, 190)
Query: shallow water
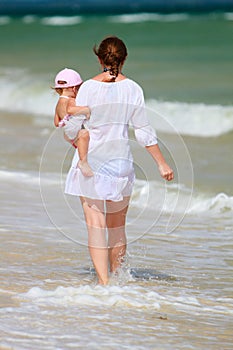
(49, 296)
(49, 302)
(181, 231)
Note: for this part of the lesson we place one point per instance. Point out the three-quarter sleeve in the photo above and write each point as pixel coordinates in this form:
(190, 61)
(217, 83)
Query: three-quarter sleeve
(146, 136)
(144, 132)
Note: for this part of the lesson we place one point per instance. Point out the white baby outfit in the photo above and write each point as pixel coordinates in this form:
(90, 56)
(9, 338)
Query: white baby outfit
(114, 108)
(71, 124)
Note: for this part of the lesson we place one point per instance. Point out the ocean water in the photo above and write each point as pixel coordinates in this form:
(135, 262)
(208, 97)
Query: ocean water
(179, 234)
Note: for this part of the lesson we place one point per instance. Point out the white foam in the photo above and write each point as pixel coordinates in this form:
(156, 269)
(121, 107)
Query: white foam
(40, 98)
(127, 296)
(4, 20)
(228, 16)
(144, 194)
(220, 203)
(196, 119)
(30, 178)
(22, 177)
(177, 198)
(61, 20)
(146, 17)
(130, 296)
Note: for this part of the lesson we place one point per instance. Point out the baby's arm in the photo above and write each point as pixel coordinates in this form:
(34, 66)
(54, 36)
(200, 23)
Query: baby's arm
(77, 110)
(56, 120)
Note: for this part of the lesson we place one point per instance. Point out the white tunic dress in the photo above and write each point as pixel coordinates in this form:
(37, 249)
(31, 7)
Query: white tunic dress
(114, 108)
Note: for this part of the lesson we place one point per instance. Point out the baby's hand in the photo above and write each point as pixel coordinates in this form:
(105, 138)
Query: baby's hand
(78, 110)
(87, 112)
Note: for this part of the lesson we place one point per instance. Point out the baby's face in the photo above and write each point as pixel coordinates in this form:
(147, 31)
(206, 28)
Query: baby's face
(73, 90)
(76, 88)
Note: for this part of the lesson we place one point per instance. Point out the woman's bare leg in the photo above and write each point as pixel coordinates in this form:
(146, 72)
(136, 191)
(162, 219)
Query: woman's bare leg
(96, 226)
(115, 220)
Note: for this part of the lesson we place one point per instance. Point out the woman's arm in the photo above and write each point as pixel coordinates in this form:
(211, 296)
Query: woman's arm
(165, 171)
(77, 110)
(146, 136)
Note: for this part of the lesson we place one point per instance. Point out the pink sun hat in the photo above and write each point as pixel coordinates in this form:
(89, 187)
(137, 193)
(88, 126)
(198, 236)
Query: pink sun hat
(67, 78)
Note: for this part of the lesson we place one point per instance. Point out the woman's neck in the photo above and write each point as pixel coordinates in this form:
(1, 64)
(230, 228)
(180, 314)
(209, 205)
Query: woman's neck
(106, 77)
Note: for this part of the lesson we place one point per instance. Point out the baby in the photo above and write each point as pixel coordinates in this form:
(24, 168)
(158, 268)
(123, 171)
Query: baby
(72, 117)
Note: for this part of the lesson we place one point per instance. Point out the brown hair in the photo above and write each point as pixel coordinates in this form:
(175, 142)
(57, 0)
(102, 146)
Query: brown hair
(58, 90)
(112, 52)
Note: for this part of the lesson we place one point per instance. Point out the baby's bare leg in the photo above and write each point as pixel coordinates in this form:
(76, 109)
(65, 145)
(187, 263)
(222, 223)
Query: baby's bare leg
(82, 144)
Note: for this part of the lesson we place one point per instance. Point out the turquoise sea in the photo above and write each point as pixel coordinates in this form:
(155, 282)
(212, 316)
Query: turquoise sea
(179, 233)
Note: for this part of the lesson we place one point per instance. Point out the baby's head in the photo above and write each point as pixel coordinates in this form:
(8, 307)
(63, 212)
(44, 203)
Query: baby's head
(67, 80)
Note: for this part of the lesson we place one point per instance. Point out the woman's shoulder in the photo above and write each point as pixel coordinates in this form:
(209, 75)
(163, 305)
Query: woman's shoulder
(86, 82)
(86, 85)
(136, 89)
(127, 85)
(134, 83)
(123, 82)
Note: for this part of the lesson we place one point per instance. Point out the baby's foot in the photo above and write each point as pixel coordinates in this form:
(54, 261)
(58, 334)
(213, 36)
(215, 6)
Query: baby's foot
(85, 168)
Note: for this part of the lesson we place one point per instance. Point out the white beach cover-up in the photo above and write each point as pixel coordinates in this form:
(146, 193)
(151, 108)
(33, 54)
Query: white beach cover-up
(71, 125)
(114, 108)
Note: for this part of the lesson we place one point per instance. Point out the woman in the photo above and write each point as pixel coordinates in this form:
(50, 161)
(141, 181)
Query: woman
(115, 102)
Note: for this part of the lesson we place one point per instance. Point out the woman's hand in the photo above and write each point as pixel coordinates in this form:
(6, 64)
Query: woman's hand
(166, 172)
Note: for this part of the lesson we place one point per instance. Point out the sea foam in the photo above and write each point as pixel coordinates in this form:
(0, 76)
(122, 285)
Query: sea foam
(4, 20)
(126, 296)
(146, 17)
(194, 119)
(110, 296)
(178, 198)
(61, 20)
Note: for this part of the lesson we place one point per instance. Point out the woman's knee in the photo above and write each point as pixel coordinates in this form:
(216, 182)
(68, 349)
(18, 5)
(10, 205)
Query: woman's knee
(93, 215)
(116, 220)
